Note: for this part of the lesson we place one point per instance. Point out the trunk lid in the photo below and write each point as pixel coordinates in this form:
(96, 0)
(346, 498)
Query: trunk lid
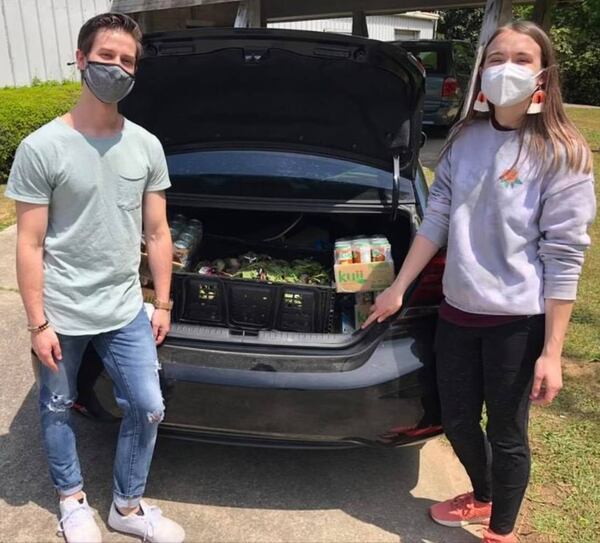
(324, 94)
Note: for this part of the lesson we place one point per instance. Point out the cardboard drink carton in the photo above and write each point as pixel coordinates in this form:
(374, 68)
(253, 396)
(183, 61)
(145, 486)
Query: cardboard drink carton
(361, 314)
(364, 277)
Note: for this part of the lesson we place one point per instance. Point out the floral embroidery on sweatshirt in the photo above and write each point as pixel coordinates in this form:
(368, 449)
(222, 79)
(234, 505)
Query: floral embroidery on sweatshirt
(510, 178)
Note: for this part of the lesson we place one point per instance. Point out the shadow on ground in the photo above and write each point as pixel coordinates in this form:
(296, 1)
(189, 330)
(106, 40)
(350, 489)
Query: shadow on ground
(373, 486)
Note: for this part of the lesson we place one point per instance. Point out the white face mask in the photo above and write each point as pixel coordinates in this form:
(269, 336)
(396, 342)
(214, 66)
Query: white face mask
(508, 84)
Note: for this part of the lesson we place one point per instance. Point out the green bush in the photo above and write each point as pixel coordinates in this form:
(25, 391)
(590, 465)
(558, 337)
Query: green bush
(576, 37)
(575, 33)
(24, 109)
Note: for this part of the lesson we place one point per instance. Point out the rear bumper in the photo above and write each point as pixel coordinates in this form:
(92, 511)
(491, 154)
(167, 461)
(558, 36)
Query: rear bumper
(390, 400)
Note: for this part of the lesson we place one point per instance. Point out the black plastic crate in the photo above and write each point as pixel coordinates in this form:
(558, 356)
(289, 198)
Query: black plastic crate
(253, 305)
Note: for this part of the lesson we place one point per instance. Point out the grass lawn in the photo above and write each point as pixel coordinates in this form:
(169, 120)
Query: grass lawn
(563, 500)
(7, 210)
(583, 340)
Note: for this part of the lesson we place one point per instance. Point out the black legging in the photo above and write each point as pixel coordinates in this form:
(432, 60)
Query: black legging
(492, 365)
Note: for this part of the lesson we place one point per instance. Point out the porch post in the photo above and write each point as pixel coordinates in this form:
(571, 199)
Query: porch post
(542, 13)
(497, 13)
(249, 14)
(359, 24)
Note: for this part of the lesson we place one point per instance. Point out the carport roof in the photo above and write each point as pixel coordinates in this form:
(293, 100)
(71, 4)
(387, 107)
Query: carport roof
(286, 10)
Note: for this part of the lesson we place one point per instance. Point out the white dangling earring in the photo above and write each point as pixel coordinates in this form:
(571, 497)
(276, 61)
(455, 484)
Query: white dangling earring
(481, 103)
(537, 103)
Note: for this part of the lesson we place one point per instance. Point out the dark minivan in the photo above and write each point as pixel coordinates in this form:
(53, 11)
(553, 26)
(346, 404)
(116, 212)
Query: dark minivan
(264, 129)
(448, 65)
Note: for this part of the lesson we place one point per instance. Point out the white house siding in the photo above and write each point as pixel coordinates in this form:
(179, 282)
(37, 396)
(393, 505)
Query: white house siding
(39, 37)
(381, 27)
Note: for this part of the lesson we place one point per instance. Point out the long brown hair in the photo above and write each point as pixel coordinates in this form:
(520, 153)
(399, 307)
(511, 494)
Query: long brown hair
(568, 146)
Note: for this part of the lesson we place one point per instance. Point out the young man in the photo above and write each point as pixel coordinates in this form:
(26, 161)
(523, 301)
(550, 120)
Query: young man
(83, 184)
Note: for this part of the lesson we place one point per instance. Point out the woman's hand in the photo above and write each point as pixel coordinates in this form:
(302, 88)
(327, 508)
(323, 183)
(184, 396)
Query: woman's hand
(547, 380)
(46, 346)
(421, 251)
(386, 304)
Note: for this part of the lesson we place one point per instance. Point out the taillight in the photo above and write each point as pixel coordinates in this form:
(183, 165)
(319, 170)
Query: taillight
(428, 290)
(449, 87)
(401, 435)
(416, 432)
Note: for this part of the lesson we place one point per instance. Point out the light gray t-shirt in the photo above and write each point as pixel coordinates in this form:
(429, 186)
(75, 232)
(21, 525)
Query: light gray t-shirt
(93, 188)
(515, 235)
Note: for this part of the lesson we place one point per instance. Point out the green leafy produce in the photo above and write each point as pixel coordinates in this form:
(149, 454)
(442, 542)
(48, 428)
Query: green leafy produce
(264, 268)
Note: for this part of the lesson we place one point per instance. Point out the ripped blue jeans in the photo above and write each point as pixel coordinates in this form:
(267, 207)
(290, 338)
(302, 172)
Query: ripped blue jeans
(130, 358)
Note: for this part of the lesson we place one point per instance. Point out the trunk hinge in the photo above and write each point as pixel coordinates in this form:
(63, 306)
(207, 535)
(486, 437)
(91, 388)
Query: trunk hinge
(396, 187)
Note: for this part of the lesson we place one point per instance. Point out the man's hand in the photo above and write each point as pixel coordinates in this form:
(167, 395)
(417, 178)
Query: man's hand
(547, 380)
(161, 324)
(47, 348)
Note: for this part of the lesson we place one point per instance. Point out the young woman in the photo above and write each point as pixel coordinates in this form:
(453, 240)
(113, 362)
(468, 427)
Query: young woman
(512, 199)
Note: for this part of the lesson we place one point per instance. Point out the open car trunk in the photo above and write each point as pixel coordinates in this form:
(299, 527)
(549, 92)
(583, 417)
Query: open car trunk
(275, 311)
(280, 143)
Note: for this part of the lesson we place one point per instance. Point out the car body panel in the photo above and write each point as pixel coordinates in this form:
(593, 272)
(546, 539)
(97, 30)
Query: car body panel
(442, 59)
(390, 400)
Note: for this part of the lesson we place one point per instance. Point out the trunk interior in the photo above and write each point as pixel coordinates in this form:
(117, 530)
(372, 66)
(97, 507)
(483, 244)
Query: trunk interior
(243, 114)
(259, 306)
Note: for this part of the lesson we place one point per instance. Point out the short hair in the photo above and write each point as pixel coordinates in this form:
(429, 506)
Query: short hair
(108, 21)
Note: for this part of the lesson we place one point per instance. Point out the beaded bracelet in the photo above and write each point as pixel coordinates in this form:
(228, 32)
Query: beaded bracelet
(38, 329)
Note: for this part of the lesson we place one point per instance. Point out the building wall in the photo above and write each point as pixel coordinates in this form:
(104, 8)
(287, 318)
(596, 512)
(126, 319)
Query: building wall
(381, 27)
(38, 38)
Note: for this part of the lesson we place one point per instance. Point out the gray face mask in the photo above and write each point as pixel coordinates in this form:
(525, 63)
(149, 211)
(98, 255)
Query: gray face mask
(108, 82)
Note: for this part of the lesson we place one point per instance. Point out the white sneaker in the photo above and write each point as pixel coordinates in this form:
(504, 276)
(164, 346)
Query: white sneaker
(77, 522)
(151, 526)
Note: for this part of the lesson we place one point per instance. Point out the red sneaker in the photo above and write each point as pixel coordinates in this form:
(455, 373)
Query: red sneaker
(460, 511)
(491, 537)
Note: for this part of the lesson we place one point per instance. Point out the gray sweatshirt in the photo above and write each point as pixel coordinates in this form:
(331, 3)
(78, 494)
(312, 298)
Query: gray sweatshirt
(514, 237)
